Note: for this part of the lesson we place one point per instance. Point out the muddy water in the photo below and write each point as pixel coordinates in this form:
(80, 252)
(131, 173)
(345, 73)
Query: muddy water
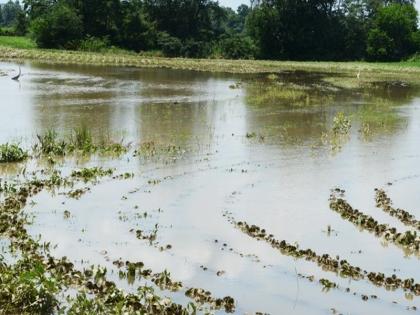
(278, 177)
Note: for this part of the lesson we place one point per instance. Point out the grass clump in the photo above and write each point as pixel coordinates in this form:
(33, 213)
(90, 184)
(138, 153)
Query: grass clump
(262, 93)
(80, 140)
(17, 42)
(10, 153)
(49, 144)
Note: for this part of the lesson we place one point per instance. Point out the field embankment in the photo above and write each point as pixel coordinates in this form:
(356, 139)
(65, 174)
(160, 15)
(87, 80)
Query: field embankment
(18, 48)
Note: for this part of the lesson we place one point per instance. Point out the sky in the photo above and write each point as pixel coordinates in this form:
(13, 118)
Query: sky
(232, 3)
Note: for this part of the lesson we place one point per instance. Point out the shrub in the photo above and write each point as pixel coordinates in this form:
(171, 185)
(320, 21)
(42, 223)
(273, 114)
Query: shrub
(238, 47)
(60, 28)
(195, 49)
(394, 34)
(380, 46)
(170, 46)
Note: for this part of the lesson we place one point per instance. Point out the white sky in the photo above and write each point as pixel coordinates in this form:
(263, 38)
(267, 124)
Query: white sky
(232, 3)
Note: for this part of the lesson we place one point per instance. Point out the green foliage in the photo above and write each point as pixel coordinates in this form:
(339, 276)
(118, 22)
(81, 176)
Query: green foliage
(27, 287)
(299, 30)
(9, 13)
(80, 140)
(49, 144)
(395, 33)
(12, 153)
(170, 46)
(192, 48)
(271, 29)
(60, 28)
(137, 33)
(380, 46)
(21, 25)
(238, 47)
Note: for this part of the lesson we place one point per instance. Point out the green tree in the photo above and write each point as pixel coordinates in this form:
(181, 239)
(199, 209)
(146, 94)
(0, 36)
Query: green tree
(21, 24)
(100, 18)
(10, 12)
(238, 47)
(136, 32)
(297, 29)
(394, 34)
(186, 19)
(61, 28)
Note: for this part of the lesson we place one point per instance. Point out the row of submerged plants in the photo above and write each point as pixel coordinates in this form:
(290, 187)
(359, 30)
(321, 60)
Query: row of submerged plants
(32, 281)
(409, 241)
(327, 262)
(164, 281)
(385, 203)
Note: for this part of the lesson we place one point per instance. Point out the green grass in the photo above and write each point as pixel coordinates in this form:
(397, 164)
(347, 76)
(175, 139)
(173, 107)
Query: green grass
(17, 42)
(80, 140)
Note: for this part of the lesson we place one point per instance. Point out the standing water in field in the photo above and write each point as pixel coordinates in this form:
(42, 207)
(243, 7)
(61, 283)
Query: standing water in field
(292, 193)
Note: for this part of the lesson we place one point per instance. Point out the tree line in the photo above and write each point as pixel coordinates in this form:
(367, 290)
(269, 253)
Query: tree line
(378, 30)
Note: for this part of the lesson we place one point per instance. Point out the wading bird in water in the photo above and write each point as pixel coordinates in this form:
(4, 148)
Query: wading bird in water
(16, 78)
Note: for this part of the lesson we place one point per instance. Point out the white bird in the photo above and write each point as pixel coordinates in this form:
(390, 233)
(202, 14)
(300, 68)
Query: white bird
(16, 78)
(358, 75)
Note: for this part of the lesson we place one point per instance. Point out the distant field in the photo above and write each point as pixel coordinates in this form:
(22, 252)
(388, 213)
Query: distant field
(17, 42)
(25, 49)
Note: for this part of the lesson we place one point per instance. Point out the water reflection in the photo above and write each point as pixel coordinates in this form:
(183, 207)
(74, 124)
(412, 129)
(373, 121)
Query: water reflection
(280, 179)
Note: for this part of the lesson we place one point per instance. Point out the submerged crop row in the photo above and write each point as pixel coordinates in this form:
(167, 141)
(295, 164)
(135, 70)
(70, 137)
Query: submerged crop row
(340, 266)
(32, 281)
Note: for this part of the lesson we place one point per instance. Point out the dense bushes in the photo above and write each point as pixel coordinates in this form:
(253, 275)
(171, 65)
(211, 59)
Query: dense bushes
(395, 33)
(272, 29)
(61, 28)
(334, 30)
(170, 45)
(237, 47)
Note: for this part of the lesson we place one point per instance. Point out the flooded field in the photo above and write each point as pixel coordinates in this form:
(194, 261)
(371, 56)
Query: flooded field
(222, 183)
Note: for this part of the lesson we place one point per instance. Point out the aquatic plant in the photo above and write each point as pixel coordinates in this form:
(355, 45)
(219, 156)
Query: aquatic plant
(48, 143)
(91, 174)
(341, 124)
(10, 153)
(80, 140)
